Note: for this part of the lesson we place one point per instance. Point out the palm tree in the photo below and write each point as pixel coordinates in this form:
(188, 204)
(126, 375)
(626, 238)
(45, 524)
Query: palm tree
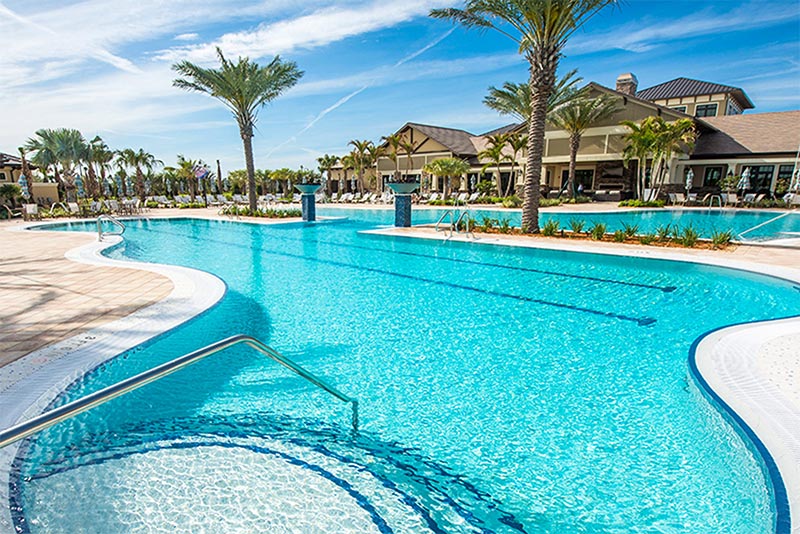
(541, 29)
(517, 143)
(326, 164)
(515, 98)
(139, 160)
(494, 153)
(575, 118)
(393, 142)
(60, 150)
(244, 87)
(348, 162)
(361, 156)
(447, 168)
(184, 172)
(409, 148)
(374, 153)
(656, 139)
(100, 157)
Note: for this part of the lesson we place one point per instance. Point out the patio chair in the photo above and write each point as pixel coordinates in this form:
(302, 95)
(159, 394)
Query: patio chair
(691, 198)
(732, 198)
(12, 213)
(73, 208)
(473, 197)
(31, 212)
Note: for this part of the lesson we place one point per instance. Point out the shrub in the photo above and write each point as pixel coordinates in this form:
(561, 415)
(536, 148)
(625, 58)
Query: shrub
(512, 202)
(619, 236)
(598, 231)
(579, 200)
(635, 203)
(550, 228)
(505, 226)
(576, 225)
(663, 232)
(487, 223)
(548, 202)
(151, 204)
(485, 187)
(192, 205)
(721, 239)
(647, 239)
(689, 237)
(771, 203)
(630, 230)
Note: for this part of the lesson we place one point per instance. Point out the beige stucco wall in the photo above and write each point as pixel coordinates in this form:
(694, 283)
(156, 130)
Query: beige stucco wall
(691, 102)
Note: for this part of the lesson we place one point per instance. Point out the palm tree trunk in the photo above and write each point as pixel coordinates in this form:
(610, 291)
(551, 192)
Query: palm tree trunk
(140, 183)
(511, 177)
(247, 140)
(543, 73)
(574, 145)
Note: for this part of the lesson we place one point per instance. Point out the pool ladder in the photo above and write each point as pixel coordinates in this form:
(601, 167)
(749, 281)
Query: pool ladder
(456, 218)
(67, 411)
(113, 220)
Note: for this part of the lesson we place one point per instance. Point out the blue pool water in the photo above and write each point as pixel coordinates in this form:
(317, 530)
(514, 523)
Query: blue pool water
(705, 221)
(501, 390)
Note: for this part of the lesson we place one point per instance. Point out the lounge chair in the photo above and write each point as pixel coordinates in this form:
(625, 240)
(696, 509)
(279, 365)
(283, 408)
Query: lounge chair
(432, 198)
(732, 198)
(677, 198)
(473, 197)
(12, 213)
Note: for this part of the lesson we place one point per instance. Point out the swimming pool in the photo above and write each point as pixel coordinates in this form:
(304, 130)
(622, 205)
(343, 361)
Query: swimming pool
(501, 390)
(705, 221)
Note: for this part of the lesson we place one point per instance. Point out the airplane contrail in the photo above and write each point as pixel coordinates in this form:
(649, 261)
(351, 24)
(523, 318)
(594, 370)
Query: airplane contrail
(342, 101)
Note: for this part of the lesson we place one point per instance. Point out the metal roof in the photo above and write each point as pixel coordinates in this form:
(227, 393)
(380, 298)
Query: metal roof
(680, 87)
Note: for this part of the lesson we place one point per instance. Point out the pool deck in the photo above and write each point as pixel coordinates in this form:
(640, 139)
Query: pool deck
(56, 289)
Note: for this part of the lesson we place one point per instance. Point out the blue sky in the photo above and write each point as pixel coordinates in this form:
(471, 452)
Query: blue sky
(104, 67)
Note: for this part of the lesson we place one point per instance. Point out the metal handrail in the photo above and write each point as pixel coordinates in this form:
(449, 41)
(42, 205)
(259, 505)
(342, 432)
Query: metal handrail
(113, 220)
(466, 213)
(67, 411)
(756, 227)
(441, 219)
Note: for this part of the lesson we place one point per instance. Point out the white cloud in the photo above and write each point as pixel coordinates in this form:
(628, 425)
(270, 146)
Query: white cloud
(186, 37)
(319, 28)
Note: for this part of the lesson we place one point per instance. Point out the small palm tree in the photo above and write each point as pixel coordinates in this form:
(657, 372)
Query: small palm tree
(517, 143)
(374, 153)
(244, 87)
(60, 150)
(393, 142)
(541, 29)
(139, 160)
(360, 159)
(326, 164)
(447, 168)
(515, 98)
(575, 118)
(494, 152)
(348, 163)
(409, 148)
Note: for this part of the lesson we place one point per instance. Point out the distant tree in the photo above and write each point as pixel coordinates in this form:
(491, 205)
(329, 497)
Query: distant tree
(575, 118)
(326, 164)
(393, 143)
(361, 152)
(517, 143)
(494, 153)
(447, 168)
(244, 87)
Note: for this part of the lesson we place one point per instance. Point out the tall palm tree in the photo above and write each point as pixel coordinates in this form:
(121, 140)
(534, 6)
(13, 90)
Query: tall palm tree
(361, 157)
(244, 87)
(447, 168)
(100, 157)
(409, 148)
(374, 153)
(540, 28)
(60, 150)
(139, 160)
(515, 98)
(494, 153)
(326, 164)
(575, 118)
(348, 162)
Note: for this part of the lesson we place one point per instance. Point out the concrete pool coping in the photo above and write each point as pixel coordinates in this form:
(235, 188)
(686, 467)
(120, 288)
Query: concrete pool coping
(730, 360)
(59, 374)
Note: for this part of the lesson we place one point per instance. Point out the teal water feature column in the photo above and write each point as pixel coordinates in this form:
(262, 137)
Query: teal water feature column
(307, 201)
(402, 203)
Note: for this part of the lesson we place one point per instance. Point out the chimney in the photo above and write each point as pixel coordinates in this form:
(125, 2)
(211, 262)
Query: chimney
(627, 83)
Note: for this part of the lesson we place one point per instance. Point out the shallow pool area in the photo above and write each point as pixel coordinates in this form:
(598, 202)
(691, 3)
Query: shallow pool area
(501, 390)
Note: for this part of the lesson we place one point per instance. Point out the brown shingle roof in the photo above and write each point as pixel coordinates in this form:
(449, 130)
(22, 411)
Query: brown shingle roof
(457, 141)
(756, 133)
(688, 87)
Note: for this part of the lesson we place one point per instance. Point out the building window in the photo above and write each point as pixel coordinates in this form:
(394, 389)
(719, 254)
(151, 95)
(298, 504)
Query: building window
(761, 177)
(583, 178)
(712, 177)
(732, 109)
(784, 180)
(705, 110)
(682, 109)
(2, 177)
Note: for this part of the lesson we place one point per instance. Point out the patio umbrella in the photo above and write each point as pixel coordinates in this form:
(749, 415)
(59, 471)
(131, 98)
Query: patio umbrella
(106, 188)
(79, 186)
(213, 187)
(168, 186)
(795, 184)
(23, 185)
(689, 180)
(129, 185)
(118, 180)
(744, 183)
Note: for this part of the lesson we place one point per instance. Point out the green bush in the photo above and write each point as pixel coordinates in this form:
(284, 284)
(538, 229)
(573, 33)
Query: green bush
(689, 237)
(505, 226)
(576, 225)
(485, 187)
(663, 232)
(512, 202)
(269, 213)
(579, 200)
(619, 236)
(635, 203)
(630, 229)
(598, 231)
(151, 204)
(771, 203)
(647, 239)
(548, 202)
(487, 223)
(721, 239)
(550, 228)
(192, 205)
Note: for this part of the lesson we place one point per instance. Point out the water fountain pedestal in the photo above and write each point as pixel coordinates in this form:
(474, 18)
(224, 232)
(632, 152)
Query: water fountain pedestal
(402, 202)
(307, 201)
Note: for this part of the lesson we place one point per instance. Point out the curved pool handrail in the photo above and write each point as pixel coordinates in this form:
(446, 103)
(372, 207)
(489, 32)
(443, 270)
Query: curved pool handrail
(113, 220)
(67, 411)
